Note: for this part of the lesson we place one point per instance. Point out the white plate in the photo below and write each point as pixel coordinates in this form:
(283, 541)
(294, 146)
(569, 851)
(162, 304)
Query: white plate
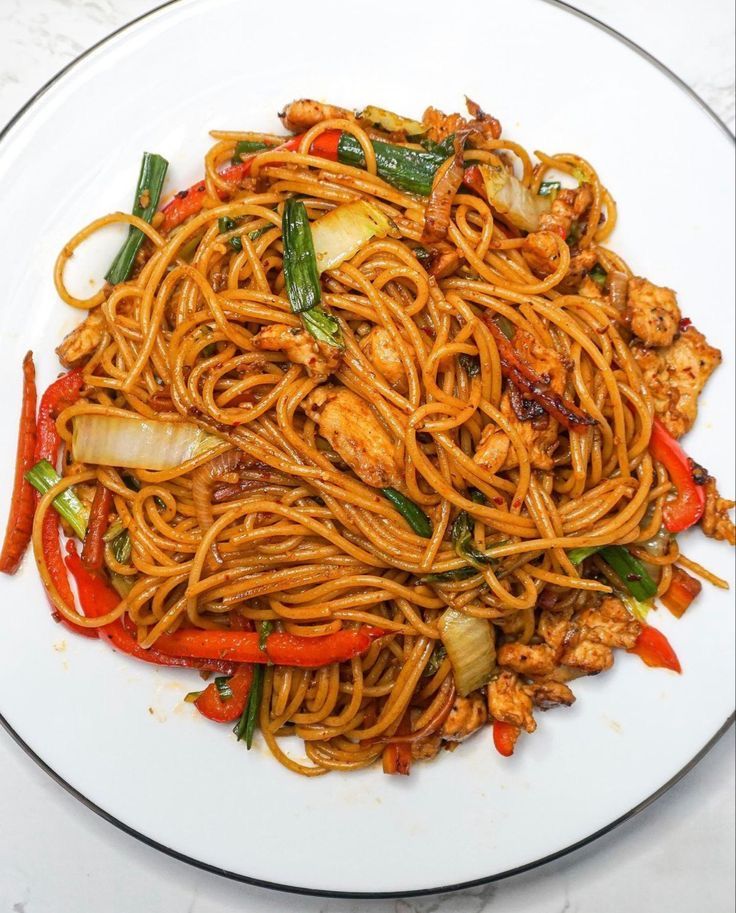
(117, 732)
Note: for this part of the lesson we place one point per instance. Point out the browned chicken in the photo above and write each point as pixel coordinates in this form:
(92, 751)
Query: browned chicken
(300, 347)
(567, 206)
(675, 376)
(541, 251)
(550, 694)
(351, 428)
(305, 113)
(533, 660)
(443, 259)
(383, 353)
(468, 715)
(652, 312)
(610, 624)
(716, 522)
(440, 125)
(509, 702)
(77, 347)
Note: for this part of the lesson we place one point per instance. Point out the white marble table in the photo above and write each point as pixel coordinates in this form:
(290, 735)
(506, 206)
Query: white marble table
(58, 857)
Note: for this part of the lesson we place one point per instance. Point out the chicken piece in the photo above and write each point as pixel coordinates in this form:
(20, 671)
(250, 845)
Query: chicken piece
(533, 660)
(541, 251)
(554, 628)
(427, 748)
(304, 113)
(550, 694)
(77, 347)
(300, 347)
(590, 657)
(351, 428)
(440, 125)
(589, 289)
(652, 312)
(466, 716)
(580, 265)
(382, 352)
(609, 624)
(675, 376)
(509, 702)
(568, 206)
(444, 259)
(716, 523)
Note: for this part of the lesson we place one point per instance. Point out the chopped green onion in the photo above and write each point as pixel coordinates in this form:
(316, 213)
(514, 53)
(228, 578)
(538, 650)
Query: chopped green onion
(264, 629)
(122, 548)
(470, 364)
(222, 683)
(236, 243)
(578, 555)
(598, 275)
(323, 326)
(445, 148)
(633, 574)
(414, 516)
(477, 496)
(113, 530)
(435, 660)
(121, 584)
(43, 477)
(300, 263)
(255, 235)
(226, 224)
(130, 481)
(246, 147)
(458, 573)
(406, 169)
(246, 725)
(192, 697)
(636, 607)
(462, 541)
(505, 325)
(573, 236)
(147, 195)
(422, 254)
(549, 189)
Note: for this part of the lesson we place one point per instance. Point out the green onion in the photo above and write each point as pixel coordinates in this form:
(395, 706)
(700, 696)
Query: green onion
(505, 326)
(470, 364)
(445, 148)
(222, 683)
(147, 195)
(226, 224)
(435, 660)
(246, 147)
(578, 555)
(406, 169)
(43, 477)
(573, 236)
(121, 584)
(458, 573)
(264, 629)
(246, 725)
(255, 235)
(549, 189)
(598, 275)
(236, 243)
(633, 574)
(121, 548)
(477, 496)
(114, 530)
(422, 254)
(323, 326)
(462, 541)
(300, 262)
(192, 696)
(638, 609)
(414, 516)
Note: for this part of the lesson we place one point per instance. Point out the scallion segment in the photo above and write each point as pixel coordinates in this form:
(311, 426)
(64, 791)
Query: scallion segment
(147, 196)
(458, 573)
(222, 683)
(405, 169)
(549, 189)
(635, 577)
(43, 477)
(246, 147)
(598, 275)
(121, 548)
(246, 725)
(414, 516)
(462, 541)
(264, 629)
(578, 555)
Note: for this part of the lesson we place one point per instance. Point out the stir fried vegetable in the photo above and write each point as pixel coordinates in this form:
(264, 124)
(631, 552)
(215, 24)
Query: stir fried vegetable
(462, 541)
(655, 650)
(688, 478)
(682, 590)
(632, 572)
(246, 725)
(43, 477)
(470, 645)
(511, 198)
(390, 122)
(341, 233)
(414, 516)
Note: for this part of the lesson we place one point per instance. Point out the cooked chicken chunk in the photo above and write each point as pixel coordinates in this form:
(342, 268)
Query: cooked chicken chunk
(567, 206)
(444, 259)
(591, 657)
(554, 628)
(300, 347)
(542, 251)
(77, 347)
(610, 624)
(509, 702)
(716, 523)
(382, 352)
(550, 694)
(305, 113)
(527, 659)
(675, 376)
(580, 265)
(652, 312)
(427, 748)
(350, 426)
(467, 715)
(440, 125)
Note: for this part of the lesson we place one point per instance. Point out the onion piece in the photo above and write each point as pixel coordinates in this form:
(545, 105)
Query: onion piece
(512, 199)
(137, 443)
(390, 122)
(340, 234)
(470, 644)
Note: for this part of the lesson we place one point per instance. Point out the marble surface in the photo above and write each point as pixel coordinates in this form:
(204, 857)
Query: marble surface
(58, 857)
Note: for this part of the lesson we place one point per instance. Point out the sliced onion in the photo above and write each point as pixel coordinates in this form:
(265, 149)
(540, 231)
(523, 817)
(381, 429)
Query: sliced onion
(390, 122)
(512, 199)
(340, 234)
(470, 644)
(137, 443)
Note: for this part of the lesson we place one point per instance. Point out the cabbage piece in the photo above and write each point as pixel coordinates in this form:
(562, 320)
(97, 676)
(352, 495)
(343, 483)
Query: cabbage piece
(470, 644)
(390, 122)
(340, 234)
(512, 199)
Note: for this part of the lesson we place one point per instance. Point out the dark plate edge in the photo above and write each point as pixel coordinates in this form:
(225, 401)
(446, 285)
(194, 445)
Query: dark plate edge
(373, 895)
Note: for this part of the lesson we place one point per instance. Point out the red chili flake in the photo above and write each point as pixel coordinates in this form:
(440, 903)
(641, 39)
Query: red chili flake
(685, 322)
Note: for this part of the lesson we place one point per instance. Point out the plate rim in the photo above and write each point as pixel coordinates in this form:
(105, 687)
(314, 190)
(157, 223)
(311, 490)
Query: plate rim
(369, 895)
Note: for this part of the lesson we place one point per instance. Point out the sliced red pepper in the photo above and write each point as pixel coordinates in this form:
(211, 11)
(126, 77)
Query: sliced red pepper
(211, 704)
(396, 756)
(280, 648)
(682, 590)
(656, 651)
(23, 500)
(504, 737)
(93, 550)
(97, 598)
(688, 478)
(189, 202)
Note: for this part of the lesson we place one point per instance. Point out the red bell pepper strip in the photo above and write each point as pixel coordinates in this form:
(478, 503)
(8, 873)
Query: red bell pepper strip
(688, 478)
(93, 550)
(504, 737)
(189, 202)
(280, 648)
(211, 704)
(396, 756)
(23, 501)
(682, 590)
(97, 598)
(656, 651)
